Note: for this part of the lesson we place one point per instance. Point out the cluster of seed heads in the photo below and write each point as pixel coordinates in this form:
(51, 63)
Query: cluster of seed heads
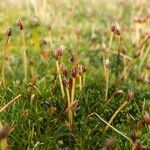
(140, 20)
(78, 71)
(75, 72)
(58, 52)
(19, 24)
(115, 28)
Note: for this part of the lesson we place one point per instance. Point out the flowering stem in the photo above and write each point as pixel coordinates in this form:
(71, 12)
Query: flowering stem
(70, 118)
(3, 63)
(80, 82)
(115, 114)
(24, 55)
(60, 79)
(73, 90)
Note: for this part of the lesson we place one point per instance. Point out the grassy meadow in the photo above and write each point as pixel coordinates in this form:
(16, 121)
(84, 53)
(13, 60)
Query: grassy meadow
(75, 74)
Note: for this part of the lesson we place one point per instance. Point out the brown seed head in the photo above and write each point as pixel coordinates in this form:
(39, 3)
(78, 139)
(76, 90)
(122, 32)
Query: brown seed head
(9, 32)
(61, 50)
(80, 70)
(84, 69)
(31, 62)
(109, 144)
(56, 54)
(113, 27)
(123, 50)
(4, 132)
(72, 58)
(74, 72)
(146, 117)
(139, 124)
(130, 95)
(133, 135)
(107, 63)
(148, 65)
(138, 145)
(64, 71)
(70, 82)
(65, 82)
(137, 54)
(19, 24)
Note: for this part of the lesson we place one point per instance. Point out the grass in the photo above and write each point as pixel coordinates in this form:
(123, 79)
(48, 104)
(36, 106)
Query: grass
(38, 119)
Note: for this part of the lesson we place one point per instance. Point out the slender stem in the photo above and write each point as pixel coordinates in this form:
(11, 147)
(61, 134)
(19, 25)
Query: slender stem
(73, 90)
(9, 103)
(84, 76)
(125, 68)
(107, 84)
(80, 82)
(24, 55)
(3, 63)
(32, 71)
(110, 126)
(70, 118)
(115, 114)
(110, 40)
(60, 79)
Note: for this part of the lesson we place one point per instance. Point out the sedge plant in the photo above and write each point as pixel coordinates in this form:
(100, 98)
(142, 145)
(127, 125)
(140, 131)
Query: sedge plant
(21, 28)
(129, 97)
(58, 54)
(8, 33)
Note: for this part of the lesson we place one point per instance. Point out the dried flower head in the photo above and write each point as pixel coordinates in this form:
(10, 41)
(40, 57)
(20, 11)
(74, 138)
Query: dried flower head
(139, 19)
(4, 131)
(65, 82)
(74, 72)
(133, 135)
(138, 145)
(61, 50)
(80, 70)
(137, 54)
(146, 117)
(64, 71)
(123, 51)
(70, 82)
(19, 24)
(107, 63)
(84, 69)
(148, 65)
(109, 144)
(72, 58)
(31, 62)
(9, 32)
(130, 95)
(56, 54)
(115, 28)
(139, 124)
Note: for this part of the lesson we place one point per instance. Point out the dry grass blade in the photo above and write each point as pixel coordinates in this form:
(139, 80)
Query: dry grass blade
(109, 125)
(8, 104)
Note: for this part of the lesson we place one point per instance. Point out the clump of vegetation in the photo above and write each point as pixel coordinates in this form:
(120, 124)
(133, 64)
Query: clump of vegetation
(78, 76)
